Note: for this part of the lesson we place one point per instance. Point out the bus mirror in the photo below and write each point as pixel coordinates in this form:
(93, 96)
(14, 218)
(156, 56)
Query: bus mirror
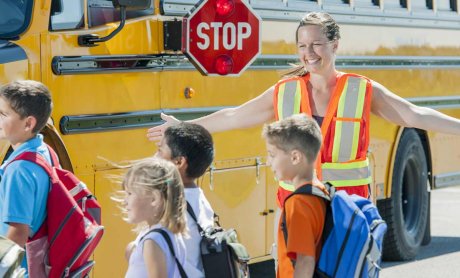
(132, 4)
(123, 5)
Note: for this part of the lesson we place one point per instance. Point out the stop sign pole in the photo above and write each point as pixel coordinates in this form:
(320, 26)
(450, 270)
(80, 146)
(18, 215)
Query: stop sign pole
(221, 37)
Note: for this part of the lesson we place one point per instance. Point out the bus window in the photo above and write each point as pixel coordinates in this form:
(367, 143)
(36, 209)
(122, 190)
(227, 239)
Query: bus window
(269, 4)
(14, 17)
(101, 12)
(429, 4)
(395, 5)
(446, 5)
(337, 5)
(67, 14)
(418, 6)
(336, 2)
(306, 5)
(176, 7)
(367, 5)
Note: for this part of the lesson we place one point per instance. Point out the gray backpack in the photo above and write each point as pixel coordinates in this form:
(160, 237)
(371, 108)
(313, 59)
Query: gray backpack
(11, 256)
(221, 253)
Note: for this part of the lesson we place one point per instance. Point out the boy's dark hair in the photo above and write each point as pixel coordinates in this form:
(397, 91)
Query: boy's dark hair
(29, 98)
(297, 132)
(193, 142)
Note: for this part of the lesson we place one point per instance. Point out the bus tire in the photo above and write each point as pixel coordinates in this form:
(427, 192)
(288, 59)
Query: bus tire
(427, 236)
(406, 211)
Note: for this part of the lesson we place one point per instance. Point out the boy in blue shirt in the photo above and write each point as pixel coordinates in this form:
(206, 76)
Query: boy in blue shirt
(25, 107)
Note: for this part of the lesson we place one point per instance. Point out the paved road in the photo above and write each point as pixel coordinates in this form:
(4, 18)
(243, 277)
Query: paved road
(441, 258)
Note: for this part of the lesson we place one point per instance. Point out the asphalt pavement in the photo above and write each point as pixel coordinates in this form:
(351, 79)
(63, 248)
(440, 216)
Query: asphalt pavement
(441, 258)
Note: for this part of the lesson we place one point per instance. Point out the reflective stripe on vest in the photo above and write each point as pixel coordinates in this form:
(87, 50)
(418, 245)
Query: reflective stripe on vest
(348, 120)
(289, 97)
(289, 102)
(347, 174)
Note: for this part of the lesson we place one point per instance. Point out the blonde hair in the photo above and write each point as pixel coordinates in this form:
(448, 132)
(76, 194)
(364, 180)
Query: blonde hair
(151, 174)
(297, 132)
(330, 28)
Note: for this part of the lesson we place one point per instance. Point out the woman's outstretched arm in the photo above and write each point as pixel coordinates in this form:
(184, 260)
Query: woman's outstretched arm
(397, 110)
(254, 112)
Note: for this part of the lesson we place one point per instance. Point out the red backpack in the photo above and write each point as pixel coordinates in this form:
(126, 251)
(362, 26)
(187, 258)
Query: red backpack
(72, 228)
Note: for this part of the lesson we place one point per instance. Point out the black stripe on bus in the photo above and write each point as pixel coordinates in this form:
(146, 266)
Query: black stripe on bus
(76, 124)
(128, 120)
(70, 65)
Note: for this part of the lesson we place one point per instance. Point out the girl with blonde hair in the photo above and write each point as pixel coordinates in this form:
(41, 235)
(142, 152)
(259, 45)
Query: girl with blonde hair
(154, 199)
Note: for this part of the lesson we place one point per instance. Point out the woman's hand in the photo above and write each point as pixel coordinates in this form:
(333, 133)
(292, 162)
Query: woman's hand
(252, 113)
(156, 133)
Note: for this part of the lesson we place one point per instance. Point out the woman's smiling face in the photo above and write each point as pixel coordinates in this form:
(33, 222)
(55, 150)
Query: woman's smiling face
(316, 51)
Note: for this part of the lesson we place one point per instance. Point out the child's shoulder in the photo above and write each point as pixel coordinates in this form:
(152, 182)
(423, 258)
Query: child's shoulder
(304, 201)
(305, 204)
(21, 167)
(195, 195)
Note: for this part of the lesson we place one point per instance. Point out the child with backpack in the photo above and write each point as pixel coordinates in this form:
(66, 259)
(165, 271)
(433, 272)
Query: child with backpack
(190, 148)
(292, 145)
(25, 107)
(322, 232)
(43, 207)
(154, 199)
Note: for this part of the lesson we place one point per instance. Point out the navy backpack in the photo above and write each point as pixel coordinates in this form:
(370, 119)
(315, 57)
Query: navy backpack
(352, 235)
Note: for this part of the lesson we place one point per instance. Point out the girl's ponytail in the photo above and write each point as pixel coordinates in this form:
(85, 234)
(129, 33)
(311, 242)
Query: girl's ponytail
(175, 204)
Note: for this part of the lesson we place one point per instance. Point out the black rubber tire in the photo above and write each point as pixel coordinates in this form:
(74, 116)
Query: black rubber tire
(406, 212)
(427, 236)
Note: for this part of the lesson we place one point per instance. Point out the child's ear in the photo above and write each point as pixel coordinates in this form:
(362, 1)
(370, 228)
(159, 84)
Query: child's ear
(296, 157)
(181, 163)
(31, 122)
(156, 198)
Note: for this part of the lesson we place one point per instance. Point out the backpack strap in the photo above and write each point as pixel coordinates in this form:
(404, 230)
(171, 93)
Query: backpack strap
(192, 214)
(54, 156)
(171, 249)
(307, 189)
(38, 159)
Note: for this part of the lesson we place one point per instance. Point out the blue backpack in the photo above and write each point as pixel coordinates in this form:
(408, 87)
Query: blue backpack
(352, 235)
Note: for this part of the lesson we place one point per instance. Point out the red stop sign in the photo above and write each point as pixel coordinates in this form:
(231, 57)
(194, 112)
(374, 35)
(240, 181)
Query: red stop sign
(221, 37)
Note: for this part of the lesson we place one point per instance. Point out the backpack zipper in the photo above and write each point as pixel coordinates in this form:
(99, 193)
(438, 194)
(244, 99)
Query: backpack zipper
(61, 226)
(83, 204)
(373, 226)
(342, 248)
(83, 248)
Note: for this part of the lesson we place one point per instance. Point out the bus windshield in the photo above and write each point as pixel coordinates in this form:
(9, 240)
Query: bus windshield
(14, 17)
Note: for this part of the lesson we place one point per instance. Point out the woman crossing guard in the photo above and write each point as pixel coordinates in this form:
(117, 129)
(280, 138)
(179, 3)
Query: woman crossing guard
(340, 102)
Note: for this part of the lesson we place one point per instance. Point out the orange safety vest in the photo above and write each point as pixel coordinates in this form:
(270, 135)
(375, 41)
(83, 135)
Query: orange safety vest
(342, 160)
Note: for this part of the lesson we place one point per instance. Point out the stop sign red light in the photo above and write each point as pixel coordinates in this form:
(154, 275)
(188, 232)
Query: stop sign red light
(221, 37)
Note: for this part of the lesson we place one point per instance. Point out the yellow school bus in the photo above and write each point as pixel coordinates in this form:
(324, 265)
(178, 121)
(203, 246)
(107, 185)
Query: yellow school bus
(107, 94)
